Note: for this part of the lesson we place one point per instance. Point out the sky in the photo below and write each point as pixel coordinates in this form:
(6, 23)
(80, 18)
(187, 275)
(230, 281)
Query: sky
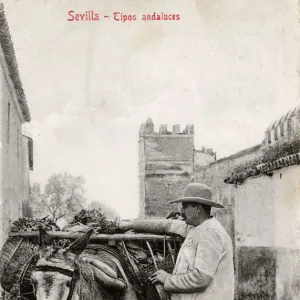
(230, 67)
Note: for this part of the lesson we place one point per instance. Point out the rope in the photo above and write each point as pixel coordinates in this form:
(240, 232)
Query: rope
(165, 251)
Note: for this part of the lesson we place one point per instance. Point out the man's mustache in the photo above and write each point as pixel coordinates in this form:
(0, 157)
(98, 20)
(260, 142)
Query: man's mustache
(182, 217)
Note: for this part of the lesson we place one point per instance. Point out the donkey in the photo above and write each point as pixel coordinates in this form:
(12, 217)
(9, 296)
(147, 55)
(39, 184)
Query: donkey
(61, 274)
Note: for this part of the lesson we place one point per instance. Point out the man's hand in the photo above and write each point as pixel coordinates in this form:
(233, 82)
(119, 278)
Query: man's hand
(158, 277)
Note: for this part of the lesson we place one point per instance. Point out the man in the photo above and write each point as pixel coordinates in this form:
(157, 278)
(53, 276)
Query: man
(204, 266)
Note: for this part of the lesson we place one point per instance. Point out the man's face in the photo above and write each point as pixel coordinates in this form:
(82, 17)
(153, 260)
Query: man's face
(190, 213)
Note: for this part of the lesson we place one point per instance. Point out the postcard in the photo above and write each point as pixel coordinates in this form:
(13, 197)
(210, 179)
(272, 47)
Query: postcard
(125, 106)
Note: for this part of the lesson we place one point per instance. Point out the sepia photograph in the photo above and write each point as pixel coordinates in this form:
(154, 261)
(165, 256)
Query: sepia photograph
(149, 150)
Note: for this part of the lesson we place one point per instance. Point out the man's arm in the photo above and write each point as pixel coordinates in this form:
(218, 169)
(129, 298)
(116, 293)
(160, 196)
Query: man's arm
(208, 255)
(178, 227)
(194, 281)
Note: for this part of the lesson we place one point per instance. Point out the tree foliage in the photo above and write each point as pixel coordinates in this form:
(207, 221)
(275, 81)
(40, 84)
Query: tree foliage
(63, 197)
(107, 210)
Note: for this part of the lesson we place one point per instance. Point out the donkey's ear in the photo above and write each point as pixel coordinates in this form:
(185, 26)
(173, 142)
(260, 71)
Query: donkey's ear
(44, 239)
(80, 244)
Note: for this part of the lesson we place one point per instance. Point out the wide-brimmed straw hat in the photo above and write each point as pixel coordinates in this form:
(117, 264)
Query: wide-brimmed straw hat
(198, 193)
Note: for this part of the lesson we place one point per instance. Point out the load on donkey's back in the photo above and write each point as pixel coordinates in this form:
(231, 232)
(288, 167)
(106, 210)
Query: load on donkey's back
(91, 258)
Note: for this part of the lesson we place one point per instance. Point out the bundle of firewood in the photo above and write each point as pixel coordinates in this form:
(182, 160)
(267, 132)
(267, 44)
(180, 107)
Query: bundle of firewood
(96, 219)
(29, 224)
(144, 258)
(141, 259)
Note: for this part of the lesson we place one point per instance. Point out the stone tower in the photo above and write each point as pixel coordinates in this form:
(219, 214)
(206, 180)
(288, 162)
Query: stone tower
(165, 167)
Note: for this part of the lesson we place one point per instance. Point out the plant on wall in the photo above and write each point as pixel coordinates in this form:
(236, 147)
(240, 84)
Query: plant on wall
(274, 158)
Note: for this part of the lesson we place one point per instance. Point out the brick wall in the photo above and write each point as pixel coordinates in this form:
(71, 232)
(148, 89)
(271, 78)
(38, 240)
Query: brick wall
(165, 166)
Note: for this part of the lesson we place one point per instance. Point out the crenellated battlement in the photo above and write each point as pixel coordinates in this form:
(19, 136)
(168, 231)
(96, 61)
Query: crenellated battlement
(284, 129)
(148, 129)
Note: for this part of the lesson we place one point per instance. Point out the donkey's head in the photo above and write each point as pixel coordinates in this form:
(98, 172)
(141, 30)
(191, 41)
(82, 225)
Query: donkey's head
(55, 274)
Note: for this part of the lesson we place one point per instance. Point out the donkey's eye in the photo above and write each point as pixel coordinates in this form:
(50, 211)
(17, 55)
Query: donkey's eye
(68, 284)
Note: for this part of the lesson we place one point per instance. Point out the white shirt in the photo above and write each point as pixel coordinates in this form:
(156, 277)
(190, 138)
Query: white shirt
(207, 249)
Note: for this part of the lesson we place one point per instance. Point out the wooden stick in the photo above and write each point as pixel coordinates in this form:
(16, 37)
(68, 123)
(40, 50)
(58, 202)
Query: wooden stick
(135, 268)
(96, 237)
(14, 252)
(171, 252)
(163, 295)
(152, 255)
